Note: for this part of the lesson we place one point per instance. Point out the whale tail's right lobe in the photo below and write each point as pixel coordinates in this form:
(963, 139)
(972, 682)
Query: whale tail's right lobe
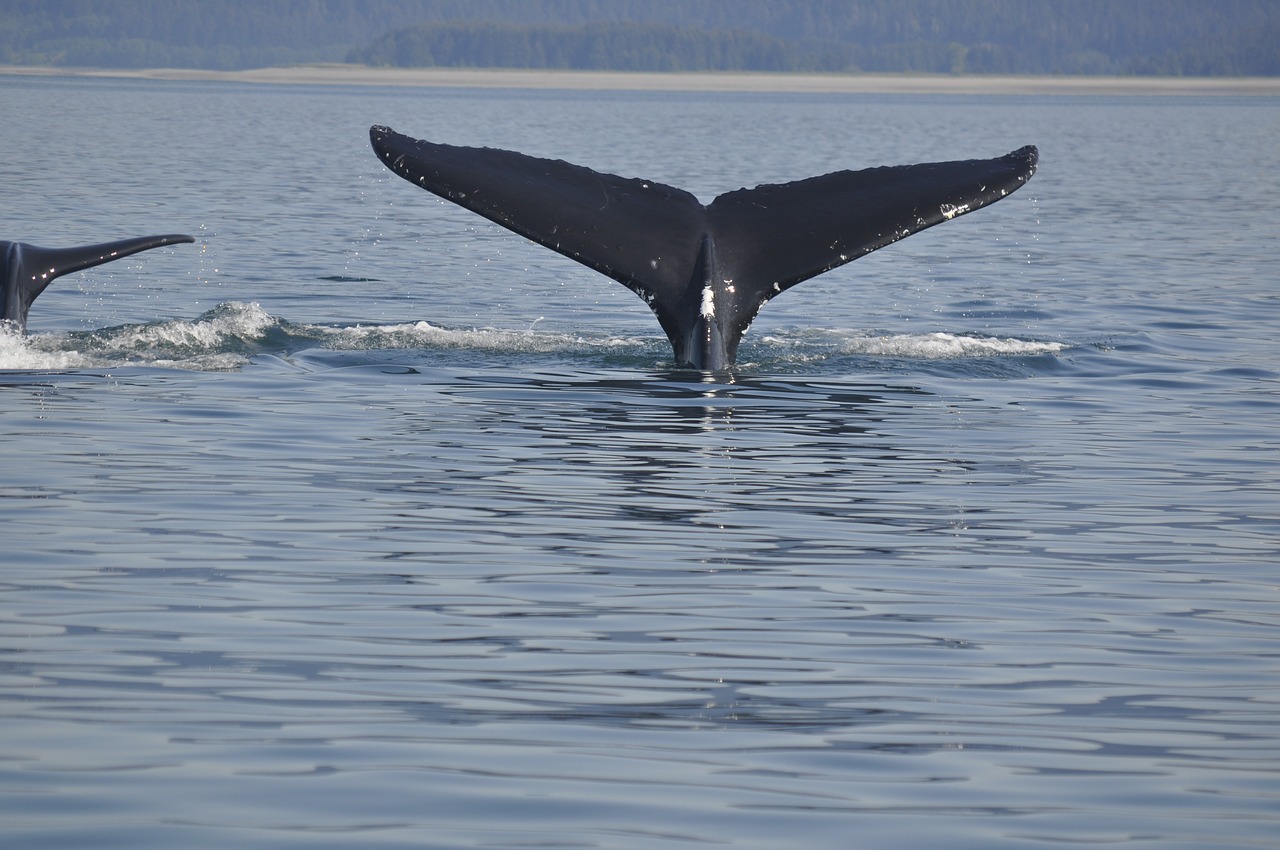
(26, 270)
(775, 236)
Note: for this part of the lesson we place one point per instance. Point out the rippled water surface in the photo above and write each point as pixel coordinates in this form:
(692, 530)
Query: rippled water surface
(362, 523)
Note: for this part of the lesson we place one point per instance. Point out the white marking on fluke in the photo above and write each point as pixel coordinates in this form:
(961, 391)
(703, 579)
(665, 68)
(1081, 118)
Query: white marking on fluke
(708, 302)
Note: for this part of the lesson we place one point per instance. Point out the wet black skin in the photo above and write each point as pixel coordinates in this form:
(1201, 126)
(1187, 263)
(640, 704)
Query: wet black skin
(704, 270)
(26, 270)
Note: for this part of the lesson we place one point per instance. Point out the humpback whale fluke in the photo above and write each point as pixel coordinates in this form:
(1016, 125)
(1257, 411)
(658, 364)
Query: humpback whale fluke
(704, 270)
(25, 270)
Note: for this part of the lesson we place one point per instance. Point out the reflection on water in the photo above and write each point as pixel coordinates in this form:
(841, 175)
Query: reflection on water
(425, 583)
(637, 609)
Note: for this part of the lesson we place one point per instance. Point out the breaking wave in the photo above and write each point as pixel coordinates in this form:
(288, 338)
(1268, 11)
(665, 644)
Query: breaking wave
(232, 334)
(223, 338)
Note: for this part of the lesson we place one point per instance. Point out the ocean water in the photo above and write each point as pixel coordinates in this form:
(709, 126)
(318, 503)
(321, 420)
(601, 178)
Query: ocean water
(364, 523)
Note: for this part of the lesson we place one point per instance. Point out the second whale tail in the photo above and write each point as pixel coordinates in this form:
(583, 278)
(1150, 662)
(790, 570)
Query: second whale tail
(705, 271)
(26, 270)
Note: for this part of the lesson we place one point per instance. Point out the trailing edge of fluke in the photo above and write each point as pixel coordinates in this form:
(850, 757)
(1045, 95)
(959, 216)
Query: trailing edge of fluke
(705, 270)
(25, 270)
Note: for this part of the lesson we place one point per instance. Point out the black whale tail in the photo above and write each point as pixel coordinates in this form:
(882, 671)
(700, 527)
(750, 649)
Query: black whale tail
(705, 271)
(26, 270)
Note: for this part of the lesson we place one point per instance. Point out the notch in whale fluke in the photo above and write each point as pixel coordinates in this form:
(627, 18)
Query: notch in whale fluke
(704, 270)
(25, 270)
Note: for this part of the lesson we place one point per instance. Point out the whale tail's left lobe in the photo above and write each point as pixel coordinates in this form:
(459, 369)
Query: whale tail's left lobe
(26, 270)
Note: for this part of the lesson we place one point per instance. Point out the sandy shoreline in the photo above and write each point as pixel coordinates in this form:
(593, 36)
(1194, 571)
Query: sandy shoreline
(359, 75)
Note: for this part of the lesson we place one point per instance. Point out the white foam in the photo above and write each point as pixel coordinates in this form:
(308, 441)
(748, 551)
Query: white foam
(225, 338)
(931, 346)
(427, 335)
(183, 344)
(942, 346)
(20, 353)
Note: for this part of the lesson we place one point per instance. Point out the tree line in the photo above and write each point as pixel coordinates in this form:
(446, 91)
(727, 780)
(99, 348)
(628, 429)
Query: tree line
(656, 47)
(1167, 37)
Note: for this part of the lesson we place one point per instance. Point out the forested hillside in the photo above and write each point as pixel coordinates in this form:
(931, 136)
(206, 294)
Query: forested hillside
(1176, 37)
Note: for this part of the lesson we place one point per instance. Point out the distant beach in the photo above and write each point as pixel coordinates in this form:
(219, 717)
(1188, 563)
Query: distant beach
(506, 78)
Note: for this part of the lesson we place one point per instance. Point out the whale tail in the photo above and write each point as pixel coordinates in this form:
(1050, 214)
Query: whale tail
(705, 271)
(26, 270)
